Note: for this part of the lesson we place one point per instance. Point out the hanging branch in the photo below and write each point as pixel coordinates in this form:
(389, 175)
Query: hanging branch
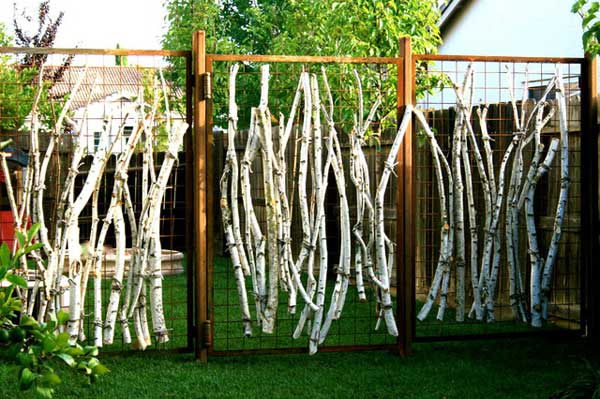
(271, 200)
(360, 178)
(382, 261)
(534, 252)
(321, 178)
(253, 233)
(340, 291)
(229, 210)
(446, 215)
(105, 333)
(563, 194)
(308, 238)
(460, 155)
(287, 260)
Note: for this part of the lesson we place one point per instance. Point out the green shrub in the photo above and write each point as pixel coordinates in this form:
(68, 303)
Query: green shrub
(40, 349)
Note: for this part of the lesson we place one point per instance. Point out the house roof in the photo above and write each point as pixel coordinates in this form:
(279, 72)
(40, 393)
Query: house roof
(98, 82)
(450, 9)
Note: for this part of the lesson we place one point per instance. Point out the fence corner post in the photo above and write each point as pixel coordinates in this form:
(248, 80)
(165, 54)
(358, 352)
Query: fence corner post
(405, 206)
(589, 233)
(200, 143)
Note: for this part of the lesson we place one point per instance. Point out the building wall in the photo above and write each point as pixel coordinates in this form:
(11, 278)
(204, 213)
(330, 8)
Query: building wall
(515, 27)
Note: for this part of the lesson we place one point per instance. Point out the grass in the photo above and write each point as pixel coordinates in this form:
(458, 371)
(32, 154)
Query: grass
(520, 368)
(356, 326)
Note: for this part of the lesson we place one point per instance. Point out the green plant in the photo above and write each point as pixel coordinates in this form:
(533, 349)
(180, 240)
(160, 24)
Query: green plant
(40, 349)
(590, 22)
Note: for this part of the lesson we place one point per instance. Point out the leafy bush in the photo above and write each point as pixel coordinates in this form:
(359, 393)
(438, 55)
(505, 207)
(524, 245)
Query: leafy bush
(40, 349)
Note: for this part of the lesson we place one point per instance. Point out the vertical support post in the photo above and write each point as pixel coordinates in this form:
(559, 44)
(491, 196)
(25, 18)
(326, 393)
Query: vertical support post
(405, 207)
(589, 232)
(200, 196)
(189, 198)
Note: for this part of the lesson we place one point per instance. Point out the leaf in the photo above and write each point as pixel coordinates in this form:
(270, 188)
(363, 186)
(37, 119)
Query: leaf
(33, 247)
(48, 343)
(15, 279)
(68, 359)
(51, 378)
(100, 369)
(4, 255)
(21, 238)
(45, 392)
(90, 350)
(33, 230)
(26, 379)
(28, 321)
(62, 340)
(577, 6)
(25, 359)
(75, 351)
(62, 317)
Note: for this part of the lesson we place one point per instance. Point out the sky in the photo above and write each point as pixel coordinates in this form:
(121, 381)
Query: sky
(133, 24)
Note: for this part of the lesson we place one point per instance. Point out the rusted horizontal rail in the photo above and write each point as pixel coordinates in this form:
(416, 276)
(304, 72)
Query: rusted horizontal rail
(300, 350)
(302, 59)
(495, 58)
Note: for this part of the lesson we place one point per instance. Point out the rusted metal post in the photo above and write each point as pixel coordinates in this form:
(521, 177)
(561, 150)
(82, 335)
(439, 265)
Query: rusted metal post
(189, 198)
(200, 197)
(405, 205)
(589, 232)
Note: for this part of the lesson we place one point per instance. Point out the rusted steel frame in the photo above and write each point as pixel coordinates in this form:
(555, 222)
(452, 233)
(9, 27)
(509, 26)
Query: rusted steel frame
(500, 335)
(201, 210)
(189, 197)
(589, 229)
(405, 205)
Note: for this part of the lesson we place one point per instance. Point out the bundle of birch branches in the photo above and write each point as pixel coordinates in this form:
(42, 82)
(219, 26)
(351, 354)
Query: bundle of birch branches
(263, 253)
(63, 269)
(505, 196)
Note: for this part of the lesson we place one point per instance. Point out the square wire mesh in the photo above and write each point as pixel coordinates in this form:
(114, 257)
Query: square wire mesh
(490, 87)
(356, 326)
(111, 88)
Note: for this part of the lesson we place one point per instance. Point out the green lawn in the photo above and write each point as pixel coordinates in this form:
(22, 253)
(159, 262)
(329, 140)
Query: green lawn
(518, 368)
(523, 368)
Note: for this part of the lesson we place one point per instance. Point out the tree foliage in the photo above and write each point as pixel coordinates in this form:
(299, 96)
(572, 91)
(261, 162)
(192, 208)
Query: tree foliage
(356, 28)
(18, 76)
(590, 23)
(304, 27)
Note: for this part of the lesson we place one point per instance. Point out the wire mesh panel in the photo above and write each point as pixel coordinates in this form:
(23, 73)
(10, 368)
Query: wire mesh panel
(492, 80)
(356, 326)
(69, 102)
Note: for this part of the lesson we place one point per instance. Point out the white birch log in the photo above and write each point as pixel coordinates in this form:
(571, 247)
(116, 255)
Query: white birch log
(534, 251)
(340, 289)
(253, 234)
(229, 211)
(446, 230)
(320, 178)
(271, 201)
(562, 196)
(382, 262)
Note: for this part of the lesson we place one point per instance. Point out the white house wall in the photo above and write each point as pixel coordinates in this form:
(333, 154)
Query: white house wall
(118, 107)
(540, 28)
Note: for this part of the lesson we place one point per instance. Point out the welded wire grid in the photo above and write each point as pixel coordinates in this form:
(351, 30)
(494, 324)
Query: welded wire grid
(491, 88)
(109, 90)
(357, 322)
